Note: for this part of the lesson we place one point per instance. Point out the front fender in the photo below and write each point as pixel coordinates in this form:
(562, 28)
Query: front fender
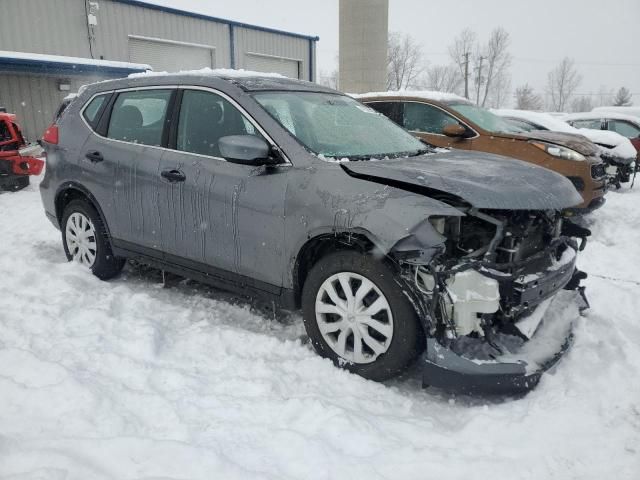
(326, 200)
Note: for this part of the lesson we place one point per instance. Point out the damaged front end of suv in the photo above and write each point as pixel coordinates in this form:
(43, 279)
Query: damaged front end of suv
(495, 280)
(486, 291)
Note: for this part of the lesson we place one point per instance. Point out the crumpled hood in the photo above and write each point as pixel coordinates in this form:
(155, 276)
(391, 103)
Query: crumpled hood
(481, 179)
(573, 141)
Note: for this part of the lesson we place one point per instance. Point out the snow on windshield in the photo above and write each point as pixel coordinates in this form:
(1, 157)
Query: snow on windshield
(336, 126)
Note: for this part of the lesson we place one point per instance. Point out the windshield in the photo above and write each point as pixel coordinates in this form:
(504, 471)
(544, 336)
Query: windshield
(485, 119)
(336, 126)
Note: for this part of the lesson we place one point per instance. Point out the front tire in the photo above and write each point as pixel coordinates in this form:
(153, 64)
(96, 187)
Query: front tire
(356, 314)
(86, 241)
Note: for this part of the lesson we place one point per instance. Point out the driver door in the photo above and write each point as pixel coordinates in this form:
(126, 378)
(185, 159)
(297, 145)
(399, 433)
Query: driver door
(217, 215)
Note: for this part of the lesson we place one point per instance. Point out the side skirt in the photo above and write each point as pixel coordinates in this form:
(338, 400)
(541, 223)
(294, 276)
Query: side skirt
(201, 272)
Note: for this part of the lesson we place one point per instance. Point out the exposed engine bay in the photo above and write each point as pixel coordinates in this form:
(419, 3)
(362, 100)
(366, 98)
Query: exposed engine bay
(493, 271)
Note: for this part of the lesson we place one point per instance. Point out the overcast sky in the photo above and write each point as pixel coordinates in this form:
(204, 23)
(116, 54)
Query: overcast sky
(603, 36)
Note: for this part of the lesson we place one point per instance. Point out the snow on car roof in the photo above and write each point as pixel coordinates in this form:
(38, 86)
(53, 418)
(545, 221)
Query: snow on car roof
(214, 72)
(426, 94)
(600, 114)
(540, 118)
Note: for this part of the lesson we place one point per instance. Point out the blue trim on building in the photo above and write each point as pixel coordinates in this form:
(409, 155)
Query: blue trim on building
(311, 60)
(232, 46)
(175, 11)
(27, 65)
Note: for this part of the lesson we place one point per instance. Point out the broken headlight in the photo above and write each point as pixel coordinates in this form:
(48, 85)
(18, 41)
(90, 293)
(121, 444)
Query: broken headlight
(559, 151)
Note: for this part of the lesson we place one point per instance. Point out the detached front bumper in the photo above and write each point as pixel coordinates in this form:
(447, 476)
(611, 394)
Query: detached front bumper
(522, 364)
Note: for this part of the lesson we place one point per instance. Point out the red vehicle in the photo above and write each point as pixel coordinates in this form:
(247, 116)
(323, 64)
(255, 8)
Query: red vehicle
(17, 159)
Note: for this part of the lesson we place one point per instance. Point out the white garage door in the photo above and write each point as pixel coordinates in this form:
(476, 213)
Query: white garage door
(262, 63)
(170, 56)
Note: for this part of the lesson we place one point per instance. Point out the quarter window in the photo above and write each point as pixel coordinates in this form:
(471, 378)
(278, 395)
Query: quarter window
(204, 119)
(419, 117)
(139, 116)
(91, 112)
(591, 124)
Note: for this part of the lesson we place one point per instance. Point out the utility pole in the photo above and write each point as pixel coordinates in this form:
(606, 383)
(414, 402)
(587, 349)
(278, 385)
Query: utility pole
(466, 75)
(479, 79)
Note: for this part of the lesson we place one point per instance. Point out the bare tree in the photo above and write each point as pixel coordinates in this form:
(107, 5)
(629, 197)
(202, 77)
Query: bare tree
(604, 97)
(462, 51)
(623, 98)
(498, 60)
(444, 78)
(582, 103)
(562, 83)
(329, 79)
(404, 62)
(527, 99)
(500, 91)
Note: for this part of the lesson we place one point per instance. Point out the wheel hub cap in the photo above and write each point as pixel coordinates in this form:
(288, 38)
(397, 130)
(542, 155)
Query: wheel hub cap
(80, 235)
(354, 317)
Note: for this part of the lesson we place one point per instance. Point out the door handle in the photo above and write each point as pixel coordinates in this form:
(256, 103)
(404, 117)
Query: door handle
(94, 157)
(173, 176)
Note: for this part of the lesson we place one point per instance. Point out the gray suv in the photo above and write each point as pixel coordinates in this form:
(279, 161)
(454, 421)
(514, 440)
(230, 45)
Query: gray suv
(292, 192)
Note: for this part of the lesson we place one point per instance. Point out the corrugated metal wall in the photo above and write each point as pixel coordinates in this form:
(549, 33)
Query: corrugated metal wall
(59, 27)
(116, 21)
(267, 43)
(35, 99)
(55, 27)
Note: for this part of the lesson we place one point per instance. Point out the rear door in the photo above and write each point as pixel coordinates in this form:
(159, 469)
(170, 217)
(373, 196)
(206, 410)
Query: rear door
(125, 159)
(215, 213)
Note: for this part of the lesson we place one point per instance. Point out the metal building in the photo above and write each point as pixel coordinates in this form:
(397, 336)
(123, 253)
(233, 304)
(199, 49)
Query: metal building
(49, 48)
(364, 30)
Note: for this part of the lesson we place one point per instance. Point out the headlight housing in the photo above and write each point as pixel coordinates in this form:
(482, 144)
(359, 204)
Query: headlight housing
(559, 151)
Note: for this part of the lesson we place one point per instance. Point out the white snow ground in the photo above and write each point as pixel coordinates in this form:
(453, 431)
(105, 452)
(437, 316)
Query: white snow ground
(129, 380)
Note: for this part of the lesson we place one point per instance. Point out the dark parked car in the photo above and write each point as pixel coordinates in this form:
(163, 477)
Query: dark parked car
(293, 192)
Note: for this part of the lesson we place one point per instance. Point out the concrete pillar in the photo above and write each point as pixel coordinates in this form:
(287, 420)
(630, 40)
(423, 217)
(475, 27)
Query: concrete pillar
(364, 29)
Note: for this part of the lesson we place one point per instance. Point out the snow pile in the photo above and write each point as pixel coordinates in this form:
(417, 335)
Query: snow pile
(539, 118)
(426, 94)
(215, 72)
(612, 143)
(129, 380)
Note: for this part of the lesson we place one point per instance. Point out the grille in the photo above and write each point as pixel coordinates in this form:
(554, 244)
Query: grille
(598, 170)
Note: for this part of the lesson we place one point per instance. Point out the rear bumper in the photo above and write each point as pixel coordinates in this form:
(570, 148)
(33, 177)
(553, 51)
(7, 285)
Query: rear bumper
(516, 371)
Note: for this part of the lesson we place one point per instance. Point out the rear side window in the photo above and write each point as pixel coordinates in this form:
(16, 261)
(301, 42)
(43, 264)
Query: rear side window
(90, 113)
(591, 124)
(139, 116)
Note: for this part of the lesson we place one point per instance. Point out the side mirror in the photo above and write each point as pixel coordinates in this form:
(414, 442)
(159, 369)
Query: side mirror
(454, 130)
(245, 149)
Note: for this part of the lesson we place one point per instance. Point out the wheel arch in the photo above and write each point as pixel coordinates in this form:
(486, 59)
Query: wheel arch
(322, 244)
(74, 191)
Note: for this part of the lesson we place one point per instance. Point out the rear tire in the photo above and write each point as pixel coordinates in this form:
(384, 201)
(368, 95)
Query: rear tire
(373, 330)
(85, 240)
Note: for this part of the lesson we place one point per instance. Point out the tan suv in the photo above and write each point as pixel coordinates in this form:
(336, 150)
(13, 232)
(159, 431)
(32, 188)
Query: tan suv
(447, 120)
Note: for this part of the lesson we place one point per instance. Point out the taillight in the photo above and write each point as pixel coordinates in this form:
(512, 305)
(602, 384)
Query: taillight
(51, 134)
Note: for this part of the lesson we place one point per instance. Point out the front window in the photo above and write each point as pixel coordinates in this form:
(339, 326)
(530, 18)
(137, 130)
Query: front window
(336, 126)
(625, 129)
(485, 119)
(419, 117)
